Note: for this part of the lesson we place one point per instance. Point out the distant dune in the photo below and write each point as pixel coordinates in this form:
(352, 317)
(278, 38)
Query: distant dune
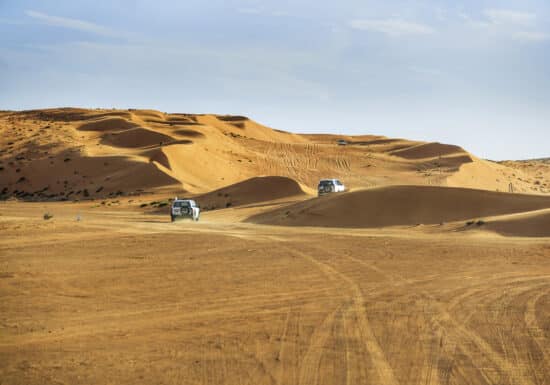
(400, 205)
(75, 153)
(428, 150)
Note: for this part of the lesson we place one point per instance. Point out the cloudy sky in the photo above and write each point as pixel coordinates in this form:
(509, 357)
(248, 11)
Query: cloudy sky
(474, 73)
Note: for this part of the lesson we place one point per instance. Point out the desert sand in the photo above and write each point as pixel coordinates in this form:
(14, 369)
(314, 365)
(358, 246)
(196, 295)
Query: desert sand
(430, 270)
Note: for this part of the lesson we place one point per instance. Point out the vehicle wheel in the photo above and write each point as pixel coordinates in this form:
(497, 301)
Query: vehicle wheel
(172, 219)
(196, 219)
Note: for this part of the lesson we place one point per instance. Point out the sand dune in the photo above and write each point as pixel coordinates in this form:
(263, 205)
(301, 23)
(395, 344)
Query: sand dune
(207, 152)
(136, 137)
(400, 205)
(83, 178)
(108, 124)
(428, 150)
(528, 224)
(254, 190)
(189, 133)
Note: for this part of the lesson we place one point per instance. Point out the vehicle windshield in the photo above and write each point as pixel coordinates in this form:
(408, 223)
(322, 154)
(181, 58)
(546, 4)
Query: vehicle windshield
(181, 204)
(325, 183)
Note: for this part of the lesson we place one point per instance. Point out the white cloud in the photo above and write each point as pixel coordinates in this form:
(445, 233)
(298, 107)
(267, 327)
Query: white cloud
(507, 16)
(516, 25)
(531, 36)
(392, 27)
(75, 24)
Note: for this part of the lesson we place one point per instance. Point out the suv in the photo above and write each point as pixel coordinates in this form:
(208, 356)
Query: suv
(184, 208)
(329, 186)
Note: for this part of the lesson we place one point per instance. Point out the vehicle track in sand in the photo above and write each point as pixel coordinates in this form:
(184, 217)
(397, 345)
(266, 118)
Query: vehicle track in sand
(488, 360)
(376, 354)
(146, 302)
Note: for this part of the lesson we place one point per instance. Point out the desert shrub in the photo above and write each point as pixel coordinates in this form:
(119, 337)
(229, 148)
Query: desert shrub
(143, 205)
(469, 223)
(47, 216)
(480, 222)
(162, 204)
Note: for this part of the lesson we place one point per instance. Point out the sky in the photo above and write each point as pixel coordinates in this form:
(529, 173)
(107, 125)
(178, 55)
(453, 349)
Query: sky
(474, 73)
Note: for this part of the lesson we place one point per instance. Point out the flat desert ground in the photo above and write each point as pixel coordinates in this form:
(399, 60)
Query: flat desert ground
(125, 298)
(433, 269)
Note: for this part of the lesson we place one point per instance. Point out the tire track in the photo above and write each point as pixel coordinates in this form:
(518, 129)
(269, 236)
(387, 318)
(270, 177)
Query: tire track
(533, 327)
(468, 341)
(287, 350)
(309, 368)
(380, 363)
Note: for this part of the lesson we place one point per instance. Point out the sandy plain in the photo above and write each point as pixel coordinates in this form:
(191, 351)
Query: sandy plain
(126, 297)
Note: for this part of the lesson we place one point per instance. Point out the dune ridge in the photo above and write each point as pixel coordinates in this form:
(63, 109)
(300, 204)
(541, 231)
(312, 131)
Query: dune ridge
(199, 153)
(526, 224)
(400, 206)
(253, 190)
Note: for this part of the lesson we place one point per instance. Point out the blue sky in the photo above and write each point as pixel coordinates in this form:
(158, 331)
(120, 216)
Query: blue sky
(473, 73)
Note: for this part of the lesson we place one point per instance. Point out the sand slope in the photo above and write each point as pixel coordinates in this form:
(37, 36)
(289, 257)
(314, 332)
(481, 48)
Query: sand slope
(400, 205)
(254, 190)
(64, 149)
(528, 224)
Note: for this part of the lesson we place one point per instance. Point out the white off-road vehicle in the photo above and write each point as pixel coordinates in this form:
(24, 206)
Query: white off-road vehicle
(184, 208)
(327, 186)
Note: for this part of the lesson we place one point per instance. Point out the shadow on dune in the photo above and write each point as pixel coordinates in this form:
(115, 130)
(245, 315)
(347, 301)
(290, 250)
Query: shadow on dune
(254, 190)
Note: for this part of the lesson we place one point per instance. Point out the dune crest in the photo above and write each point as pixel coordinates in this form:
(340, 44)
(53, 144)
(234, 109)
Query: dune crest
(400, 206)
(198, 153)
(254, 190)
